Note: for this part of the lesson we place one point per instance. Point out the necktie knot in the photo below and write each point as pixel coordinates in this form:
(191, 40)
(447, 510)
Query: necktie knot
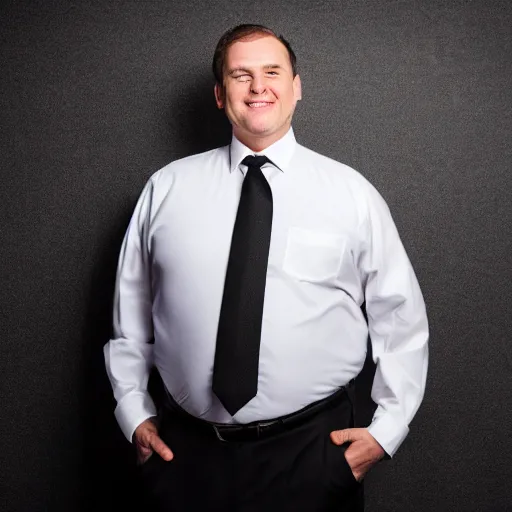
(255, 161)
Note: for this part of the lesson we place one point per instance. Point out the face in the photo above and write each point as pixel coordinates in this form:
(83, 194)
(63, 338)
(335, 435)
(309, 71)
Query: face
(259, 93)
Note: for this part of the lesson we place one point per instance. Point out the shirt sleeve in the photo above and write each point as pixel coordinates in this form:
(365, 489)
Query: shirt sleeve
(129, 354)
(398, 326)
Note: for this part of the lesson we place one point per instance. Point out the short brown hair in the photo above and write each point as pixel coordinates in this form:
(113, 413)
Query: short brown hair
(242, 32)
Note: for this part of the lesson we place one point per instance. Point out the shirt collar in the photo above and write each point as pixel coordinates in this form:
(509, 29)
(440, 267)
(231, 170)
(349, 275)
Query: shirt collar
(280, 153)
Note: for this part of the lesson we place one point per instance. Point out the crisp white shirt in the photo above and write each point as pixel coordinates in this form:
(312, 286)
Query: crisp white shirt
(333, 246)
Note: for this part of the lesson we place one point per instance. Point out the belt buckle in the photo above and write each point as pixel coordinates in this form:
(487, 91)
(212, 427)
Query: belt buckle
(264, 425)
(259, 428)
(218, 434)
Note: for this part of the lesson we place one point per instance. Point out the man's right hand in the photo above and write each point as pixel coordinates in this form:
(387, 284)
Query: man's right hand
(147, 441)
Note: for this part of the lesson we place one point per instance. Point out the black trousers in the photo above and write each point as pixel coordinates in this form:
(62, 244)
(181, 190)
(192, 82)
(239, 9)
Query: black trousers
(297, 470)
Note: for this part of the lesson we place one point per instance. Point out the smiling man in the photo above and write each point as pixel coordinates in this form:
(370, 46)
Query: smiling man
(248, 266)
(258, 89)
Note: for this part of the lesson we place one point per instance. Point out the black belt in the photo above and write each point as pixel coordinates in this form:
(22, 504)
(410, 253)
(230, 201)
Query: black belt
(261, 429)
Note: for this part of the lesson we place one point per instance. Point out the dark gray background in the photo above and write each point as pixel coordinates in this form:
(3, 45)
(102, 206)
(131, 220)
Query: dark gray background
(96, 96)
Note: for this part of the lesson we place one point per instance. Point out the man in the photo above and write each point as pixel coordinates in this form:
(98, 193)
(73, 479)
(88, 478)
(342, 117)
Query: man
(248, 266)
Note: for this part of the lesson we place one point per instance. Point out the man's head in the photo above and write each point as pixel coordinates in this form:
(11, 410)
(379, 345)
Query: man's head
(256, 83)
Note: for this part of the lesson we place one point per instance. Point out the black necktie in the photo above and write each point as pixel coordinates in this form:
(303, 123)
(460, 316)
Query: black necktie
(235, 371)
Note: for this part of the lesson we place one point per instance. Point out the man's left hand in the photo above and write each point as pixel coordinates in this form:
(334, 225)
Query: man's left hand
(364, 451)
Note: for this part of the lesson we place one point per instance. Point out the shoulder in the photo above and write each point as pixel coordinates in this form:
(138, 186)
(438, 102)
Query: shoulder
(342, 183)
(336, 171)
(190, 166)
(182, 175)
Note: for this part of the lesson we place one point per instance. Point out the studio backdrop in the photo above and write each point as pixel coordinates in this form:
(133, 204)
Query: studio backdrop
(96, 96)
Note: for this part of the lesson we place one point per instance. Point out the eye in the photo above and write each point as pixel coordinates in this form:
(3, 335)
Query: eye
(242, 78)
(273, 73)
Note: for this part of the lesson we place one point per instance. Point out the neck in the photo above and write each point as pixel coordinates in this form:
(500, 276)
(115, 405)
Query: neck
(257, 144)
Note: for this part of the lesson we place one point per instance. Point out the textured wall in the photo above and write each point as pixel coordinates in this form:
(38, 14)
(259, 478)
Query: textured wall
(96, 96)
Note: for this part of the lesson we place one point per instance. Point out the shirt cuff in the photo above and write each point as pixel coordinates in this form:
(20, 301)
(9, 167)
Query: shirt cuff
(132, 410)
(389, 431)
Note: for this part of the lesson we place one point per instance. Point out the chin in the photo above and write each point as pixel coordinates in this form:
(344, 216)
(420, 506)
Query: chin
(259, 130)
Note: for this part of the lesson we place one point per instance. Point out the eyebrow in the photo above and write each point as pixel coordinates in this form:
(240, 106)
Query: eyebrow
(231, 72)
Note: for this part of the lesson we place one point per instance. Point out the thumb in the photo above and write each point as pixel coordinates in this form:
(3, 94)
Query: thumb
(347, 435)
(145, 450)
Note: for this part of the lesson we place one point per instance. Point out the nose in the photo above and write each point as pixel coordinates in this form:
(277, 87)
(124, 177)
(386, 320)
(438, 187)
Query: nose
(257, 85)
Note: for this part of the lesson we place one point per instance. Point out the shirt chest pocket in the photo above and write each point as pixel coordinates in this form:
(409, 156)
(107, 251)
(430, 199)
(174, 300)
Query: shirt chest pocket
(312, 255)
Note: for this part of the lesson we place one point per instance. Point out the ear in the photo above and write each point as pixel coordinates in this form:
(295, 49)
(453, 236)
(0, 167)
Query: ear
(297, 88)
(219, 95)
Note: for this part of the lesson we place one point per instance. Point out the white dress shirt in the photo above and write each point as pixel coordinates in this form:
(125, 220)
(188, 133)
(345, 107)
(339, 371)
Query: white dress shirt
(334, 245)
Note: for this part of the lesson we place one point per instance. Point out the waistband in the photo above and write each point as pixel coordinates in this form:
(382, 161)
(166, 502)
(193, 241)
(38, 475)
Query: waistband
(261, 429)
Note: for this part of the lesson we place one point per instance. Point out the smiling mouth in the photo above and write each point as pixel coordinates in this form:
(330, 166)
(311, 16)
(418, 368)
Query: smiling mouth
(259, 104)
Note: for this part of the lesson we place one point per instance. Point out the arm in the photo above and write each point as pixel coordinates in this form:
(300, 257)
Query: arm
(398, 327)
(129, 354)
(398, 330)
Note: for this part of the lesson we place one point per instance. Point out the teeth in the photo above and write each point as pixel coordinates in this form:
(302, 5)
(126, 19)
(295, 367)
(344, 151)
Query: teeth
(259, 104)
